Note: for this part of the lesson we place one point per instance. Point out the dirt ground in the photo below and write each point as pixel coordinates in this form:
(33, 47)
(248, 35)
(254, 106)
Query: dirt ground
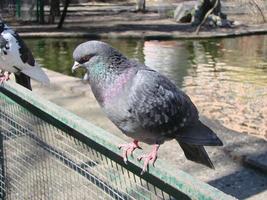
(102, 20)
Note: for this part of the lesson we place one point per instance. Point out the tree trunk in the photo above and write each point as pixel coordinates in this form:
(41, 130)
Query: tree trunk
(54, 10)
(1, 5)
(64, 13)
(203, 6)
(141, 5)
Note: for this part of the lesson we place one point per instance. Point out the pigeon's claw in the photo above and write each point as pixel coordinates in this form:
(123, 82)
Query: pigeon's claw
(149, 158)
(127, 149)
(4, 77)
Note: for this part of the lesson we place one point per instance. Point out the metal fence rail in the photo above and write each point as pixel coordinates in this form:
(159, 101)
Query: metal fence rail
(50, 153)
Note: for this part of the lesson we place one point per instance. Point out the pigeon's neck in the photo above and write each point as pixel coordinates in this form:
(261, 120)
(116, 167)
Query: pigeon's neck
(119, 84)
(118, 61)
(106, 70)
(106, 82)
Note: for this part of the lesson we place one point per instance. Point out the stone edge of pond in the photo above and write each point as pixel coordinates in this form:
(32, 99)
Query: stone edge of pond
(247, 149)
(149, 35)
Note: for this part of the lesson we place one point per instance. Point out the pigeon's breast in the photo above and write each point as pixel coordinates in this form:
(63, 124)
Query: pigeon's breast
(117, 88)
(119, 114)
(11, 59)
(118, 111)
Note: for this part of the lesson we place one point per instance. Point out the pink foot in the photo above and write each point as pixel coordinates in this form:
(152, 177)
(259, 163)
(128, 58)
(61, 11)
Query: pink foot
(149, 158)
(128, 149)
(4, 77)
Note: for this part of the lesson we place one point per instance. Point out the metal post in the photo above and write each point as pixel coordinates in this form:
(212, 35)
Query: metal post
(37, 10)
(40, 11)
(18, 8)
(2, 164)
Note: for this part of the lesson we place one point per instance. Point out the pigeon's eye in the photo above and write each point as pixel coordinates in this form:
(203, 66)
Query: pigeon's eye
(85, 59)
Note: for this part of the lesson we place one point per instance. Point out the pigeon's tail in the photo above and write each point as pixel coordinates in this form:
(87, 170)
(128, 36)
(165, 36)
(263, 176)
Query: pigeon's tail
(199, 134)
(193, 138)
(37, 74)
(196, 153)
(23, 80)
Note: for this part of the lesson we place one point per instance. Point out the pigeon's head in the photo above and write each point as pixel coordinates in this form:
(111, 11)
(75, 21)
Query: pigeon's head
(89, 53)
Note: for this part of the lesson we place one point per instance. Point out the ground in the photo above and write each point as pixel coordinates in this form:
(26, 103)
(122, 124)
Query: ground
(114, 20)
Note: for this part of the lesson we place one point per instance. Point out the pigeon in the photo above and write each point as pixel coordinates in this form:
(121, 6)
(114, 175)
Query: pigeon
(144, 104)
(15, 57)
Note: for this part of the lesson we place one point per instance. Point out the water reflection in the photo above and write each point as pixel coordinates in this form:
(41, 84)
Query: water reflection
(55, 54)
(169, 57)
(226, 78)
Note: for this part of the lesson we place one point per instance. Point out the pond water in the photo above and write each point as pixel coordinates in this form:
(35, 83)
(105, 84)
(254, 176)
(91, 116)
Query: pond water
(225, 78)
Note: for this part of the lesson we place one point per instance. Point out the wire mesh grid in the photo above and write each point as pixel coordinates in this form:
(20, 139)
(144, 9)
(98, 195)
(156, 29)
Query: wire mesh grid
(43, 162)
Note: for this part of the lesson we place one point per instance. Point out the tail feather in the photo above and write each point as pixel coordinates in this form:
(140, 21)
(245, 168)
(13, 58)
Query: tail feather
(199, 134)
(37, 74)
(196, 153)
(193, 139)
(23, 80)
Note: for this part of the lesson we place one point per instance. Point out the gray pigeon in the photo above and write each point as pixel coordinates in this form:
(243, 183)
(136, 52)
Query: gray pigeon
(143, 104)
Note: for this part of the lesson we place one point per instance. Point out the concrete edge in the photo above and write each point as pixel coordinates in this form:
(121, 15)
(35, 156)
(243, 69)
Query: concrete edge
(151, 35)
(256, 161)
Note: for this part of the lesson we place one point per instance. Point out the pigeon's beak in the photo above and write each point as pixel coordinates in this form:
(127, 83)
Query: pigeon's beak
(75, 66)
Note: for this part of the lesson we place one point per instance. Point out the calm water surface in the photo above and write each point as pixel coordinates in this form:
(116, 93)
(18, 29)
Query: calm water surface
(225, 78)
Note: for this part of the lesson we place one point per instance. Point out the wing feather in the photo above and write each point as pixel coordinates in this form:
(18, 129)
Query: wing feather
(3, 42)
(25, 53)
(158, 105)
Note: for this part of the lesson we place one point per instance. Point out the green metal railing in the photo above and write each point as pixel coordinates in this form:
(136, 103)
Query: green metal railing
(18, 8)
(50, 153)
(39, 9)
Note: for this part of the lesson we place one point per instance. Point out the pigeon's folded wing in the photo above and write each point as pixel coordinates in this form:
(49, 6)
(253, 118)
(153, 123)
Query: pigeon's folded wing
(33, 70)
(158, 105)
(37, 74)
(25, 54)
(3, 42)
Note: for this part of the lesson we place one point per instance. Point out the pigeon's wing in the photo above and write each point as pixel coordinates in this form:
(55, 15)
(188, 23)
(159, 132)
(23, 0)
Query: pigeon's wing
(158, 105)
(33, 71)
(37, 74)
(25, 53)
(3, 42)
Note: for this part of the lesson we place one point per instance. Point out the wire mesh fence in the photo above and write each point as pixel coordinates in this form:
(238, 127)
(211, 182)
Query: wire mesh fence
(20, 10)
(41, 158)
(43, 162)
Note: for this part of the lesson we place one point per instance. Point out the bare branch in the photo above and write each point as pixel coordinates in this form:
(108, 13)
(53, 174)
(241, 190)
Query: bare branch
(206, 16)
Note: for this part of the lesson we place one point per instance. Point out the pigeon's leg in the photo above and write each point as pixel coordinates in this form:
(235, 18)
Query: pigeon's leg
(149, 158)
(128, 149)
(4, 77)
